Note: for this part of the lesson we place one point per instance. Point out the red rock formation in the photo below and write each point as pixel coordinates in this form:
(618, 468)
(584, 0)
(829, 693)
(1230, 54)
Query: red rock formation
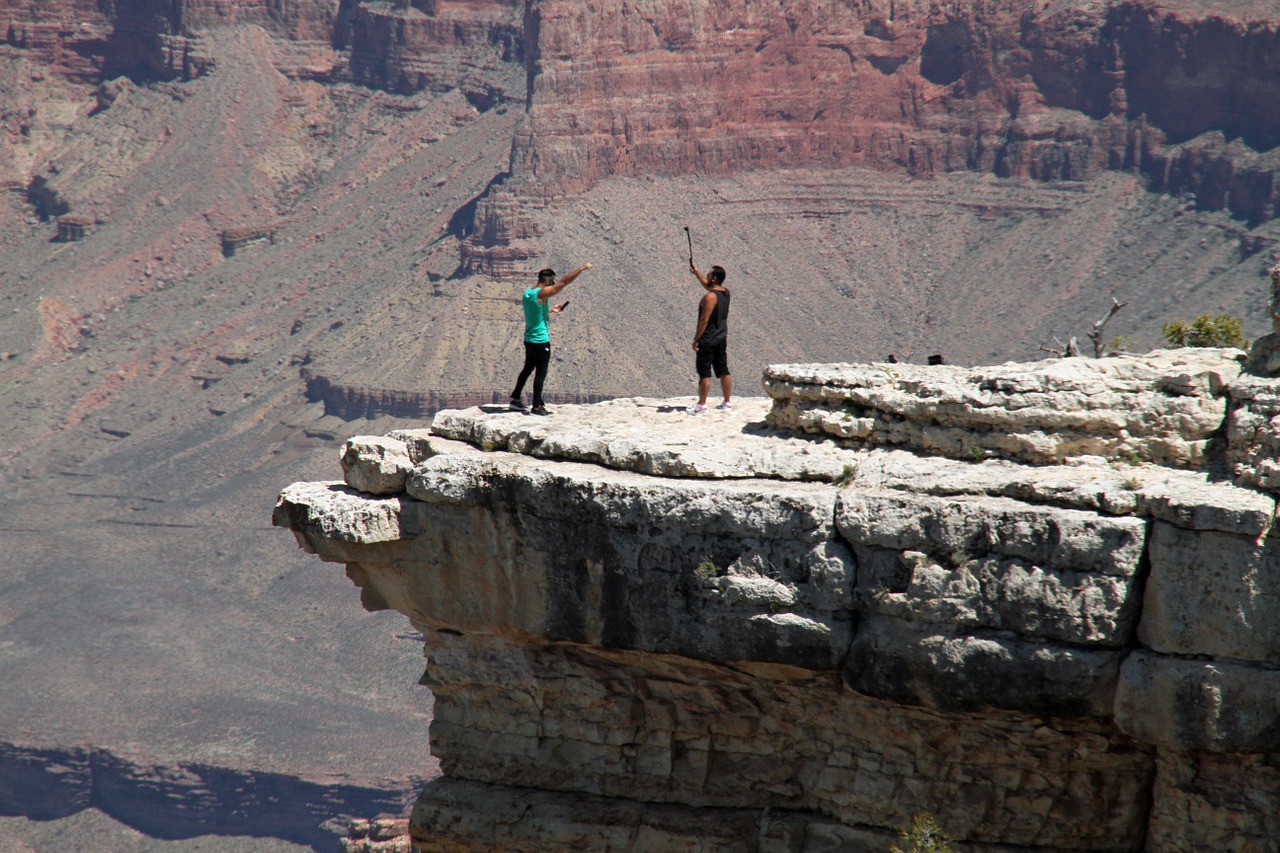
(992, 86)
(437, 45)
(66, 36)
(161, 37)
(631, 87)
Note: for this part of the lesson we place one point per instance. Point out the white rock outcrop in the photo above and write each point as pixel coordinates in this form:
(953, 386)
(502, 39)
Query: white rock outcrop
(1039, 602)
(1163, 407)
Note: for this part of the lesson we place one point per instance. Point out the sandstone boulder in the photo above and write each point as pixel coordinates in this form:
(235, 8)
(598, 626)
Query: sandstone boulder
(375, 464)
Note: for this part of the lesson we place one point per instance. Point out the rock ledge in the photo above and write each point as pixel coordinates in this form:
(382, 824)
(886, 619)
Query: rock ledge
(879, 592)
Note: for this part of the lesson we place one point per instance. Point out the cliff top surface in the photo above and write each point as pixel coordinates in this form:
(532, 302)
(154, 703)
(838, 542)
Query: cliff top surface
(1088, 427)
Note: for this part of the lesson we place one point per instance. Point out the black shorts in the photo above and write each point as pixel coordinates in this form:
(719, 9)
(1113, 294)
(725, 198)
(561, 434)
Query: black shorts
(713, 358)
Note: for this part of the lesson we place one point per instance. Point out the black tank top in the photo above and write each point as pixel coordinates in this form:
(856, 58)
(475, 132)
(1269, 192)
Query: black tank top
(717, 331)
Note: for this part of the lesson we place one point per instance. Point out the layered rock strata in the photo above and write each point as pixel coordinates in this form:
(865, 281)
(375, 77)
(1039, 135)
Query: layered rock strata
(1184, 94)
(59, 36)
(437, 45)
(762, 630)
(1052, 93)
(1181, 93)
(352, 402)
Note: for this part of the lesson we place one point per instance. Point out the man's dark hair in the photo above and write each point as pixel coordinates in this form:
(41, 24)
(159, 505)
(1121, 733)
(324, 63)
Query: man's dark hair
(716, 276)
(546, 274)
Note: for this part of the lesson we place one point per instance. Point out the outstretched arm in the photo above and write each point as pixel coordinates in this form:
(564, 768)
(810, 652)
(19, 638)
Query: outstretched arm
(545, 293)
(702, 279)
(705, 307)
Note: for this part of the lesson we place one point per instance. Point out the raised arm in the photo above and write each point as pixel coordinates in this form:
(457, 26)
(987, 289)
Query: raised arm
(550, 290)
(702, 279)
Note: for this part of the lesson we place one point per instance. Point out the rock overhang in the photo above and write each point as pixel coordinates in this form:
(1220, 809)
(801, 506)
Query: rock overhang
(969, 584)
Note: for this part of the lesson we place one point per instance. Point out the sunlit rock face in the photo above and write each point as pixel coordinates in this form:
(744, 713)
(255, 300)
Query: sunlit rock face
(1018, 89)
(881, 591)
(1184, 94)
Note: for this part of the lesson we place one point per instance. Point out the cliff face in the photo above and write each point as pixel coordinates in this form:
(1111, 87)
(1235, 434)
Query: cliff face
(409, 47)
(1184, 94)
(884, 591)
(1051, 92)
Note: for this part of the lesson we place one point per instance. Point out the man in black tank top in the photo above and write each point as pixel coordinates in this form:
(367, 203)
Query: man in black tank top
(710, 339)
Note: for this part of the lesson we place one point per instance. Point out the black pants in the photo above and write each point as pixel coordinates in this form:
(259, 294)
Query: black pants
(537, 358)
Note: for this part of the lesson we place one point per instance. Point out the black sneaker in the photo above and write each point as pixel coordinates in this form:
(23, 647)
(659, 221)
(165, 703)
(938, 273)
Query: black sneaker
(516, 406)
(540, 410)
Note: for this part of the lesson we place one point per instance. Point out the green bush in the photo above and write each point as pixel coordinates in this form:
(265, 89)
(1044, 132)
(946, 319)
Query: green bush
(925, 836)
(1206, 331)
(706, 570)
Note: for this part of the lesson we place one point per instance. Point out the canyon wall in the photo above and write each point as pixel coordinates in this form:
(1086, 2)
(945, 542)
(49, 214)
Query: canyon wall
(1016, 89)
(474, 46)
(60, 36)
(1183, 93)
(1037, 601)
(351, 402)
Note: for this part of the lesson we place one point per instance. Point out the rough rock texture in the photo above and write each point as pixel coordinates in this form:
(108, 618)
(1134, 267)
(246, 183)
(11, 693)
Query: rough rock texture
(1165, 408)
(438, 45)
(151, 383)
(377, 836)
(1051, 92)
(634, 616)
(375, 466)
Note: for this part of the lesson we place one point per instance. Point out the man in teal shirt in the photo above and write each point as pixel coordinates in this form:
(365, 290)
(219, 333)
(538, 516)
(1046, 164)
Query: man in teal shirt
(537, 339)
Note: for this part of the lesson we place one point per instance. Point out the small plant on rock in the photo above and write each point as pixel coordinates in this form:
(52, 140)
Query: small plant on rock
(923, 836)
(1119, 344)
(706, 570)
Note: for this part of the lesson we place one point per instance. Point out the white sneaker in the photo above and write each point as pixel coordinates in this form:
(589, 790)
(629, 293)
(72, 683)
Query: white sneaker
(726, 406)
(696, 409)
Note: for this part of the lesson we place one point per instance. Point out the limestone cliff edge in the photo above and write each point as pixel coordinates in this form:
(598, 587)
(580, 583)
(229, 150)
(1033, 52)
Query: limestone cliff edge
(1037, 601)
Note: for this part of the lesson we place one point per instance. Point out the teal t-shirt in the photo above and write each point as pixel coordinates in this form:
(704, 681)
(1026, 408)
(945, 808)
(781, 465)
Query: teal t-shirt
(535, 318)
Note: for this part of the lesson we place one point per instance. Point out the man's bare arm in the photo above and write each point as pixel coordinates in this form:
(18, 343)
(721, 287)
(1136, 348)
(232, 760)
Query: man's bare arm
(545, 293)
(705, 307)
(702, 279)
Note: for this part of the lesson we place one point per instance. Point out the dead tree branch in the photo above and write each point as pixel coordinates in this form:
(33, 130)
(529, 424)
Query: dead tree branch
(1099, 348)
(1068, 350)
(1072, 347)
